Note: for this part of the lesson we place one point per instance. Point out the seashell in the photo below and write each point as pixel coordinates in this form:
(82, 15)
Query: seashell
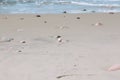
(98, 24)
(59, 40)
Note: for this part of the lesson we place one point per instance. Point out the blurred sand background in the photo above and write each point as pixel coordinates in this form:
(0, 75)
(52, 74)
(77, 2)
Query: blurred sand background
(30, 48)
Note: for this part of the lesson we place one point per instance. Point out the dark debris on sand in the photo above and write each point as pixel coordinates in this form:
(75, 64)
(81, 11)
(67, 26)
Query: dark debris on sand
(38, 16)
(58, 77)
(78, 18)
(64, 11)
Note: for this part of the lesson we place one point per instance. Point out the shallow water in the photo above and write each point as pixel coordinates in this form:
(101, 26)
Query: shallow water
(58, 6)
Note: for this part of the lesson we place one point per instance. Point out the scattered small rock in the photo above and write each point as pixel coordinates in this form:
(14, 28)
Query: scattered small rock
(59, 39)
(21, 18)
(22, 41)
(19, 51)
(64, 11)
(45, 21)
(84, 10)
(38, 16)
(59, 77)
(67, 40)
(98, 24)
(78, 18)
(111, 13)
(74, 65)
(63, 27)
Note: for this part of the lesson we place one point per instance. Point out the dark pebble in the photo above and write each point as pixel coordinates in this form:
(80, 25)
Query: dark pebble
(45, 21)
(38, 16)
(84, 10)
(23, 41)
(19, 51)
(78, 17)
(64, 11)
(111, 12)
(75, 65)
(21, 18)
(58, 37)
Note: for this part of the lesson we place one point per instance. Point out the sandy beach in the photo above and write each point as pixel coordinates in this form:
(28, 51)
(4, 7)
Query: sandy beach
(59, 46)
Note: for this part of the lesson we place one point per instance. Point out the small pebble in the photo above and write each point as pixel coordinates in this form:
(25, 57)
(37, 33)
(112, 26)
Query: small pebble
(98, 24)
(38, 16)
(78, 18)
(64, 11)
(75, 65)
(23, 41)
(45, 21)
(59, 40)
(21, 18)
(63, 27)
(111, 13)
(58, 37)
(84, 10)
(19, 51)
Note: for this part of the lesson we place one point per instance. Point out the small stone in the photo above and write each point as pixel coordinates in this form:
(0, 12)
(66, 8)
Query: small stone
(75, 65)
(38, 16)
(111, 13)
(21, 18)
(84, 10)
(59, 40)
(45, 21)
(98, 24)
(23, 41)
(67, 40)
(64, 11)
(58, 37)
(78, 18)
(19, 51)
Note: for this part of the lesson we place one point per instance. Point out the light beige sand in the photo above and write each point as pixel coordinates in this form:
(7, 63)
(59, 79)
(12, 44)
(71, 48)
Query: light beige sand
(29, 49)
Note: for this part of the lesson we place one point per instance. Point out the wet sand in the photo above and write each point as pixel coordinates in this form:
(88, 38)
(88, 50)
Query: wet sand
(59, 46)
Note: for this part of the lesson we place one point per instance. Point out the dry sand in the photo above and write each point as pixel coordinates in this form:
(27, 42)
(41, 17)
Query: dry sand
(59, 46)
